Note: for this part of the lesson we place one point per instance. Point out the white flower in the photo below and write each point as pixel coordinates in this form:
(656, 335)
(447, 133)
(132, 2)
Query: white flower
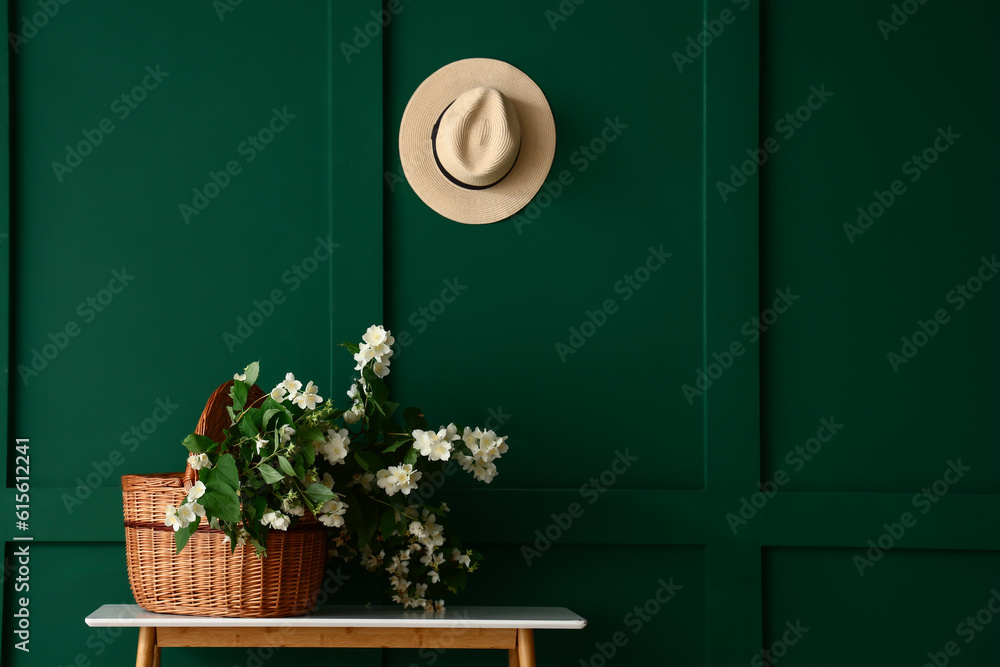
(354, 414)
(398, 478)
(186, 514)
(364, 480)
(423, 440)
(327, 481)
(275, 520)
(380, 368)
(434, 537)
(199, 461)
(434, 576)
(432, 557)
(375, 335)
(172, 520)
(369, 560)
(420, 590)
(485, 447)
(197, 491)
(441, 450)
(242, 377)
(260, 442)
(198, 510)
(308, 399)
(466, 461)
(417, 530)
(291, 508)
(335, 447)
(352, 393)
(278, 394)
(445, 508)
(435, 446)
(376, 344)
(463, 559)
(398, 566)
(332, 513)
(385, 482)
(484, 472)
(379, 340)
(285, 433)
(241, 538)
(291, 385)
(363, 356)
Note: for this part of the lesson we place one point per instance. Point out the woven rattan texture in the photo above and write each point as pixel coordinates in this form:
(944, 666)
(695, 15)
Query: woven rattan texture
(206, 579)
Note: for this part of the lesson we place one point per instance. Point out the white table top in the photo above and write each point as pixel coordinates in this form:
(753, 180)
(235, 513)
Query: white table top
(538, 618)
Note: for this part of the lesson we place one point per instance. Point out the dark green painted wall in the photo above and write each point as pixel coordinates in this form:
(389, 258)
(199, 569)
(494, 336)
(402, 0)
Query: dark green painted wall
(522, 285)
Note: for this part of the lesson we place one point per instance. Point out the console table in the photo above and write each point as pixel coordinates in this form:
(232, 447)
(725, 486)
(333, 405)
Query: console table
(508, 628)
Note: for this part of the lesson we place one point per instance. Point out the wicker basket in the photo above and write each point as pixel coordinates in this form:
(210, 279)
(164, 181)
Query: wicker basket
(205, 579)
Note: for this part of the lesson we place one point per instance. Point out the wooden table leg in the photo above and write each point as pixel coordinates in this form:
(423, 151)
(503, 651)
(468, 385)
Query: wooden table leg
(526, 648)
(146, 655)
(514, 662)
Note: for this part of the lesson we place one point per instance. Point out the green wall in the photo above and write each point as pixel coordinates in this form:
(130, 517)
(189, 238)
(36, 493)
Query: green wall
(317, 230)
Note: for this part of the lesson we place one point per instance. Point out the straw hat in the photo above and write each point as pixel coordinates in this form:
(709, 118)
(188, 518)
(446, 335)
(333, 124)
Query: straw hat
(477, 140)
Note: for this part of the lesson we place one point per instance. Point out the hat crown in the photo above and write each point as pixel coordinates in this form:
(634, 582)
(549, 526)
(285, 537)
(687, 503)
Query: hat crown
(478, 137)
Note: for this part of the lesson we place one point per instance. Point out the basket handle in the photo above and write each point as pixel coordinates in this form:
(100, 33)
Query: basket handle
(215, 418)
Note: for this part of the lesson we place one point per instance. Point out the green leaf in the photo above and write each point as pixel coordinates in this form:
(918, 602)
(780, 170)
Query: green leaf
(232, 414)
(388, 523)
(361, 462)
(251, 373)
(238, 393)
(370, 461)
(198, 444)
(259, 507)
(285, 466)
(300, 470)
(232, 539)
(248, 428)
(309, 453)
(411, 456)
(255, 415)
(271, 404)
(268, 414)
(182, 536)
(353, 348)
(306, 433)
(221, 501)
(258, 548)
(390, 408)
(254, 481)
(319, 494)
(396, 445)
(270, 475)
(225, 471)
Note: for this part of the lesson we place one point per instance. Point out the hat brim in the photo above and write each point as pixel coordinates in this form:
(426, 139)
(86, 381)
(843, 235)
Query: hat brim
(538, 141)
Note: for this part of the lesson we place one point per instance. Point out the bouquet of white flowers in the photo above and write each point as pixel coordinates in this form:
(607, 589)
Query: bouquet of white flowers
(355, 469)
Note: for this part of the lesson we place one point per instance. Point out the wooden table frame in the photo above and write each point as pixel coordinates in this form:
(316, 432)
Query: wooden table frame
(345, 627)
